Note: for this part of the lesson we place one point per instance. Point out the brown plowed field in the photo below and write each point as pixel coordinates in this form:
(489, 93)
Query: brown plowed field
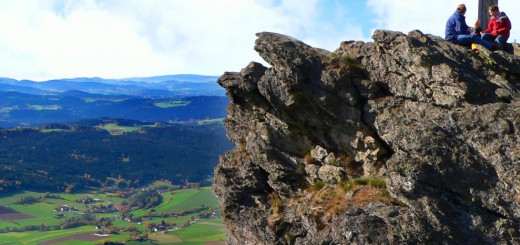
(88, 236)
(7, 214)
(216, 243)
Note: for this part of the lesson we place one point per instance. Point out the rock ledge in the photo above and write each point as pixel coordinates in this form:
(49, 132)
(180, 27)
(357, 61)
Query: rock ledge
(405, 140)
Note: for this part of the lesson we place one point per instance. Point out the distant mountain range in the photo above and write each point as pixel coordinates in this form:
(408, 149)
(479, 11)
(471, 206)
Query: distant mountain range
(80, 132)
(180, 85)
(173, 98)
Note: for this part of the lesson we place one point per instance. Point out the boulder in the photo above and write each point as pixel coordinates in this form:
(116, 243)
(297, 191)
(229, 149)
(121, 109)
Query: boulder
(408, 139)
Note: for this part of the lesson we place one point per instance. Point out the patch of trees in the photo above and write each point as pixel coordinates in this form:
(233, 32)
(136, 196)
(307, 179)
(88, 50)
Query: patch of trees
(27, 200)
(144, 200)
(84, 157)
(33, 199)
(74, 222)
(41, 227)
(108, 242)
(77, 221)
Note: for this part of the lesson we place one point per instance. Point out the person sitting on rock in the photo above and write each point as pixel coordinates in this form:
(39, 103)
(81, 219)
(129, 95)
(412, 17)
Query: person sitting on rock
(498, 28)
(477, 29)
(457, 31)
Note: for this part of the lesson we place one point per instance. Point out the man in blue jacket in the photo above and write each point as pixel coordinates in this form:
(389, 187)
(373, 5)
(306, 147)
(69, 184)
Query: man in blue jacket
(457, 31)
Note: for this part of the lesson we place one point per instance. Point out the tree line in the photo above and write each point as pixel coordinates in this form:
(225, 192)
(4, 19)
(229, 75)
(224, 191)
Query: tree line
(85, 156)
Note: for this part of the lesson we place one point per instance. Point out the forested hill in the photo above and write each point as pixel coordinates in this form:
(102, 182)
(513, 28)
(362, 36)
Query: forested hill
(21, 109)
(71, 157)
(170, 85)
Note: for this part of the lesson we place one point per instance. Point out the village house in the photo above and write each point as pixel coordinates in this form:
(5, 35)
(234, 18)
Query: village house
(65, 208)
(60, 216)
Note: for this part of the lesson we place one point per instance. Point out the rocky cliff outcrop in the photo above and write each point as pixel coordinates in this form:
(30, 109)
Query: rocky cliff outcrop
(405, 140)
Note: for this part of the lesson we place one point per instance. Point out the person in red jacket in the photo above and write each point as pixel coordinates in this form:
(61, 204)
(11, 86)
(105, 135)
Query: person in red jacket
(498, 28)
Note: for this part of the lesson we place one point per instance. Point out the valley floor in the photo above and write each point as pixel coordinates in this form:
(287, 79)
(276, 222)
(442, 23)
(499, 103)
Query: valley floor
(184, 216)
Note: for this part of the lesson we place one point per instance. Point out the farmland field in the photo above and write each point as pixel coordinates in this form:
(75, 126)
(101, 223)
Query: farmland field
(87, 237)
(187, 217)
(168, 104)
(9, 214)
(118, 130)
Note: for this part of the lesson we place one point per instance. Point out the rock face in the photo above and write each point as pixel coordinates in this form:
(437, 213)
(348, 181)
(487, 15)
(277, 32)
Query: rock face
(405, 140)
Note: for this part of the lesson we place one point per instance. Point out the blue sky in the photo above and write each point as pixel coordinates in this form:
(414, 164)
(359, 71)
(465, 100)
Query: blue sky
(50, 39)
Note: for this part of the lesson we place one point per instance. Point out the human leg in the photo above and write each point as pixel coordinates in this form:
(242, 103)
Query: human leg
(500, 39)
(499, 42)
(488, 37)
(483, 42)
(467, 40)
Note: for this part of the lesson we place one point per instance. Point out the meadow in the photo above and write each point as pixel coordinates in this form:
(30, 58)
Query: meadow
(191, 216)
(115, 129)
(168, 104)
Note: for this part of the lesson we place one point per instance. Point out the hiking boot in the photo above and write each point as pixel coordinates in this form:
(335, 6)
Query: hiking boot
(496, 46)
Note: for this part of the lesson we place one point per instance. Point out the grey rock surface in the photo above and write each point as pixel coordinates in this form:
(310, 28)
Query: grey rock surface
(431, 128)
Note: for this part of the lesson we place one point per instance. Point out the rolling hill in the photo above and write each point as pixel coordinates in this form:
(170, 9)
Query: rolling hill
(60, 157)
(171, 85)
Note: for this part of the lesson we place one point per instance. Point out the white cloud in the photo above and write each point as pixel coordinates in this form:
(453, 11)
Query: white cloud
(83, 41)
(406, 15)
(431, 16)
(122, 38)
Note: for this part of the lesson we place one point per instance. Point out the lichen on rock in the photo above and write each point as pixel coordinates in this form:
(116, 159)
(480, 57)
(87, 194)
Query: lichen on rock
(318, 132)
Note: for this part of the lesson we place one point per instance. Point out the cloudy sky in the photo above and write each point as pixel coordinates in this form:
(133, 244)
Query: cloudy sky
(51, 39)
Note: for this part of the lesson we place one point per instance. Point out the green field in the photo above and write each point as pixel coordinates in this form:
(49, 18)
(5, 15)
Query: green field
(90, 100)
(176, 201)
(115, 129)
(187, 228)
(210, 121)
(201, 233)
(35, 237)
(51, 130)
(44, 107)
(43, 209)
(169, 104)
